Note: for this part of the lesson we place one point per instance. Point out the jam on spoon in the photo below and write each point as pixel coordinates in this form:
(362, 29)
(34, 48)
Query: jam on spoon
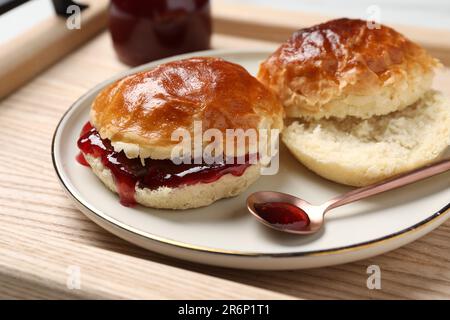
(282, 214)
(128, 173)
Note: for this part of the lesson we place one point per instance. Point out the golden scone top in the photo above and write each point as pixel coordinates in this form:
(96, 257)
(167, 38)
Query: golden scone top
(332, 48)
(338, 58)
(145, 108)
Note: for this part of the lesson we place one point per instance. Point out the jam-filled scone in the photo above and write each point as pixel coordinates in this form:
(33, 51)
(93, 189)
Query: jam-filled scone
(129, 144)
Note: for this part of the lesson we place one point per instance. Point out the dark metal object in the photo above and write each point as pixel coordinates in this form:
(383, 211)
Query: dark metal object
(6, 5)
(62, 5)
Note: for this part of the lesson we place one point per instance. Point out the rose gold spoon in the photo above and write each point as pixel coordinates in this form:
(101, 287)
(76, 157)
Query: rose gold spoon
(288, 213)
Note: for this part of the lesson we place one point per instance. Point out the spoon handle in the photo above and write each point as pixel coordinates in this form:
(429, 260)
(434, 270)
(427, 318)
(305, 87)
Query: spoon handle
(393, 183)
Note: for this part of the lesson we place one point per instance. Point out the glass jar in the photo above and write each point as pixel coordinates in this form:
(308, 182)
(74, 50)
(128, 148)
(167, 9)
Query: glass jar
(146, 30)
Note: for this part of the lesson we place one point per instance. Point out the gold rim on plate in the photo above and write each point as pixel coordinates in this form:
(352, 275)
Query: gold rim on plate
(441, 214)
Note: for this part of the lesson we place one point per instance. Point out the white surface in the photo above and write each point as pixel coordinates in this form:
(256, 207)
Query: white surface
(426, 13)
(226, 226)
(24, 17)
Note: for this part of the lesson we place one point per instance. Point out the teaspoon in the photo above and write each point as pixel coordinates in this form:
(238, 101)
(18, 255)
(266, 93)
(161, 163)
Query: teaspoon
(291, 214)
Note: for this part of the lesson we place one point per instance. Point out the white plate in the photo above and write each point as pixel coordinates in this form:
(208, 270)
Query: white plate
(224, 234)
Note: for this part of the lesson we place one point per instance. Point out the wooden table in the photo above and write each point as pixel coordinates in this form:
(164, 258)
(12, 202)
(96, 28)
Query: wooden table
(43, 236)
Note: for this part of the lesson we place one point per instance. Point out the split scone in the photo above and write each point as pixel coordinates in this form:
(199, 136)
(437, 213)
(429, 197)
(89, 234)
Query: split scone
(359, 152)
(129, 143)
(343, 68)
(359, 101)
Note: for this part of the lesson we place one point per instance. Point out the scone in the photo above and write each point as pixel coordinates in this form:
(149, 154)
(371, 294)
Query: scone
(343, 68)
(359, 152)
(129, 143)
(359, 101)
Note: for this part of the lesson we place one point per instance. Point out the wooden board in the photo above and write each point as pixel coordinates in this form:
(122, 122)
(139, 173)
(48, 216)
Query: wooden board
(42, 234)
(29, 54)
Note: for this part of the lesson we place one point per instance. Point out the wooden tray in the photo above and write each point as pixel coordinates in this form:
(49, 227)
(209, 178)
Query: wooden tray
(44, 239)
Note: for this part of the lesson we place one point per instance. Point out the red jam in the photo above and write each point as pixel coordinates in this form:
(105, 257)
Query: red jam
(282, 214)
(154, 174)
(146, 30)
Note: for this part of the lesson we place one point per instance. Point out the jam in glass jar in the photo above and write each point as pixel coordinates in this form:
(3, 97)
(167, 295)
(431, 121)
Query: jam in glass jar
(146, 30)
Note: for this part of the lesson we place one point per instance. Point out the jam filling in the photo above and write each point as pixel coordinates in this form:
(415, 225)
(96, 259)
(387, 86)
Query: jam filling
(128, 173)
